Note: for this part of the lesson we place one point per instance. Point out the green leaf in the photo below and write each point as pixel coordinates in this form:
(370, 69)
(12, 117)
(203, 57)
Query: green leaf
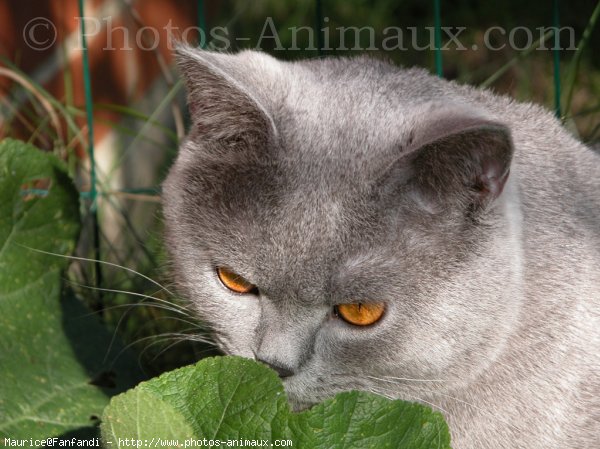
(54, 377)
(165, 422)
(231, 398)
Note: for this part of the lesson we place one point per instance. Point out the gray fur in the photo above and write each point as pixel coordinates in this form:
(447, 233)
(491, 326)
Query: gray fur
(340, 180)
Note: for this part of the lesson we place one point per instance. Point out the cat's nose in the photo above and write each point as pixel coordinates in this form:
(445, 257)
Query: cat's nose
(281, 370)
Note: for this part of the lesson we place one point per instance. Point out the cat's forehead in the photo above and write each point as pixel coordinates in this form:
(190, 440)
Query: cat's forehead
(350, 108)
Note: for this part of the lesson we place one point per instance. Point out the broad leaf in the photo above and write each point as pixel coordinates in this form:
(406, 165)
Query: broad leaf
(55, 372)
(230, 398)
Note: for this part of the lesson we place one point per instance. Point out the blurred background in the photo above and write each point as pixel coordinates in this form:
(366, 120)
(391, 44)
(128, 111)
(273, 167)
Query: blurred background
(137, 113)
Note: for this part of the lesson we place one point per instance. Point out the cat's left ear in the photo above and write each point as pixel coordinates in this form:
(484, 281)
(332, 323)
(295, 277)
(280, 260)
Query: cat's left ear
(458, 156)
(231, 96)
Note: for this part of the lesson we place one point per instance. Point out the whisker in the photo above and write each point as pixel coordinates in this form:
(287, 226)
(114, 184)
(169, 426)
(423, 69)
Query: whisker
(162, 351)
(200, 335)
(114, 335)
(181, 340)
(408, 379)
(201, 339)
(173, 307)
(488, 412)
(381, 391)
(196, 325)
(178, 337)
(85, 259)
(159, 341)
(167, 335)
(163, 336)
(196, 333)
(132, 305)
(169, 307)
(129, 308)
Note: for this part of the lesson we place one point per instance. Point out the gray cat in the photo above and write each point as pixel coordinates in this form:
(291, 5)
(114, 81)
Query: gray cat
(359, 226)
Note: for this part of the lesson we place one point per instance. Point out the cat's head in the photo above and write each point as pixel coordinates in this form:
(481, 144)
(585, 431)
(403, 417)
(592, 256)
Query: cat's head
(307, 188)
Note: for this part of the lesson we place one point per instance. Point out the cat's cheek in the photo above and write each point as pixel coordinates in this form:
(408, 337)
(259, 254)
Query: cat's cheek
(234, 319)
(347, 349)
(239, 335)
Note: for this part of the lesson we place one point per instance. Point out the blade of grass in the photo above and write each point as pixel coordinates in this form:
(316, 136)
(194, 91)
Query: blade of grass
(168, 98)
(592, 134)
(164, 68)
(71, 155)
(56, 103)
(575, 62)
(131, 113)
(125, 130)
(521, 55)
(41, 128)
(68, 85)
(583, 113)
(129, 225)
(134, 113)
(26, 83)
(23, 120)
(556, 58)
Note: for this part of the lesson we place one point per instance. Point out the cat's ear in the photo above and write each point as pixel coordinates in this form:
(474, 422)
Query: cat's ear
(459, 157)
(228, 94)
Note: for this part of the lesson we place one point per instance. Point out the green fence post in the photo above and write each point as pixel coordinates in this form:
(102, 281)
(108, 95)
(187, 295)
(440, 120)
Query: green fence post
(556, 54)
(438, 37)
(318, 23)
(87, 85)
(202, 24)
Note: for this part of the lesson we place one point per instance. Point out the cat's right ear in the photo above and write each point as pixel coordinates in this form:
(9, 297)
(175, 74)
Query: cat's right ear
(457, 157)
(227, 93)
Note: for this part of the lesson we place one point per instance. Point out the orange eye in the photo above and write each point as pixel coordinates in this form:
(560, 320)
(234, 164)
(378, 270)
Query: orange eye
(234, 282)
(360, 314)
